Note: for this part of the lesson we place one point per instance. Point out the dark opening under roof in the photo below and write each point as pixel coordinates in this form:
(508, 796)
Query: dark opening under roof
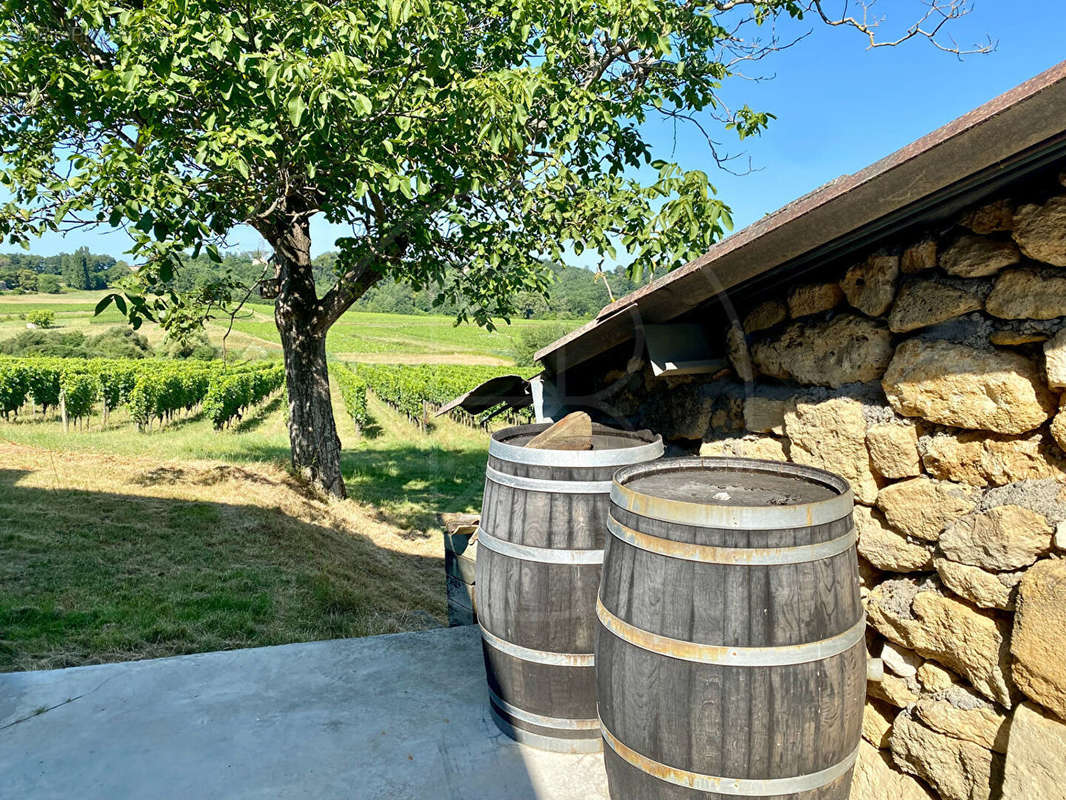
(1020, 130)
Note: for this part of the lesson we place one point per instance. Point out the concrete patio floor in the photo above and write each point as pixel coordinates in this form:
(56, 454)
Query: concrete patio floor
(398, 717)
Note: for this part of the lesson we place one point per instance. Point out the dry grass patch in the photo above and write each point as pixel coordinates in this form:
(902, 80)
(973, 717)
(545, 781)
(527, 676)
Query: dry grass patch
(107, 558)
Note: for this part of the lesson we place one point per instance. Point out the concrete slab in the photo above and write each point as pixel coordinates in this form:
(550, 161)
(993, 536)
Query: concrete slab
(402, 717)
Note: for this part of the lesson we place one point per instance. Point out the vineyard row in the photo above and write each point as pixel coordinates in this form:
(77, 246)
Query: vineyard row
(414, 390)
(151, 389)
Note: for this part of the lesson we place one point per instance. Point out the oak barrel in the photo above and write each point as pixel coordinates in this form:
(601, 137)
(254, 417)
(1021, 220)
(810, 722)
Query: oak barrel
(540, 551)
(730, 651)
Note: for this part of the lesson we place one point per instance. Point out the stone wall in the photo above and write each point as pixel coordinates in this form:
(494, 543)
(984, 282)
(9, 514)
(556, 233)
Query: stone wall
(929, 373)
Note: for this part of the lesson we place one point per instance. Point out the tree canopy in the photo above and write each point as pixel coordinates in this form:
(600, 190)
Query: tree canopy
(462, 143)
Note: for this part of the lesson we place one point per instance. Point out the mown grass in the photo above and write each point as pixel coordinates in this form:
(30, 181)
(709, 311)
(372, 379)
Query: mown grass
(117, 545)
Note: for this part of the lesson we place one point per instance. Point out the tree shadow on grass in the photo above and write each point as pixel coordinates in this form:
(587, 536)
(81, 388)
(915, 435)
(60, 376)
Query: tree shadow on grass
(259, 415)
(411, 486)
(89, 577)
(371, 430)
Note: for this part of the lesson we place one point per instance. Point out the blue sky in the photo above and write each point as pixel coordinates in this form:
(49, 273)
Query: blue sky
(839, 107)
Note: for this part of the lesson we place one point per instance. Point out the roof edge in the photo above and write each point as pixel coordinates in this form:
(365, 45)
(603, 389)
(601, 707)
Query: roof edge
(953, 137)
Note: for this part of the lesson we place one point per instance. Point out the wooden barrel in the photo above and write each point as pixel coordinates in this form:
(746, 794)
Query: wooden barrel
(730, 653)
(540, 551)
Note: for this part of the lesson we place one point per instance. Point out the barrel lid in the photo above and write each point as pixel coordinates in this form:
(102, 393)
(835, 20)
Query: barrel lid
(740, 493)
(610, 447)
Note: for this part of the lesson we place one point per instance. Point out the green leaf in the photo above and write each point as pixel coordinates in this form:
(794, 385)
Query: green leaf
(362, 103)
(296, 107)
(105, 301)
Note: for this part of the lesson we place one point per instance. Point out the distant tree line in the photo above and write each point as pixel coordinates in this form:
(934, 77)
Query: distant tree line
(574, 293)
(81, 269)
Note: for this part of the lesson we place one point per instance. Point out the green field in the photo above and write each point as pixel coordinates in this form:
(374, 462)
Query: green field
(357, 336)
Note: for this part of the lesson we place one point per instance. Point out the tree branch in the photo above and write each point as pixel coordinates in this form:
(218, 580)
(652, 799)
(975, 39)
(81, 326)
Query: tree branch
(939, 14)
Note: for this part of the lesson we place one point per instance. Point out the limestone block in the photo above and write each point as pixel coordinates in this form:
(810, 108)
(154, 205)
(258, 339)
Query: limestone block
(876, 778)
(977, 256)
(919, 256)
(900, 660)
(1027, 294)
(1004, 538)
(877, 718)
(993, 217)
(1055, 360)
(846, 349)
(896, 691)
(894, 450)
(962, 386)
(956, 769)
(1036, 756)
(935, 678)
(1040, 231)
(814, 299)
(982, 588)
(1058, 428)
(962, 713)
(738, 352)
(871, 285)
(687, 414)
(1060, 536)
(766, 448)
(1038, 642)
(764, 415)
(885, 548)
(869, 576)
(832, 435)
(924, 303)
(972, 642)
(986, 459)
(922, 507)
(765, 315)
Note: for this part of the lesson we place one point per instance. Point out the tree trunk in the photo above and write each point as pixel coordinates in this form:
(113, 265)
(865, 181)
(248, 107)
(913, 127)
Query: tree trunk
(316, 448)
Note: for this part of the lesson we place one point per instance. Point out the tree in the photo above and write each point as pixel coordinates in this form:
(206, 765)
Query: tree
(28, 280)
(462, 142)
(77, 270)
(48, 284)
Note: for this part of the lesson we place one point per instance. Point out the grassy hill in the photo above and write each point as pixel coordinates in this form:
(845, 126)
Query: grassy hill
(357, 336)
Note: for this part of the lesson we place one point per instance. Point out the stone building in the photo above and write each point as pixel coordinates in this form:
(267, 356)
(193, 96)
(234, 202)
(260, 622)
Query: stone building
(904, 327)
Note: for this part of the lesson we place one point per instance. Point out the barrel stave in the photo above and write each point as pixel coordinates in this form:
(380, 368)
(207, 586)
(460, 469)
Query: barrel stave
(734, 605)
(544, 689)
(632, 784)
(810, 722)
(534, 603)
(543, 519)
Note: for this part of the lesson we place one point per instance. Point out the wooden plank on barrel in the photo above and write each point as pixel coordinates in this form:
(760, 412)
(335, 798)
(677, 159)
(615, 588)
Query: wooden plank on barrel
(460, 523)
(572, 432)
